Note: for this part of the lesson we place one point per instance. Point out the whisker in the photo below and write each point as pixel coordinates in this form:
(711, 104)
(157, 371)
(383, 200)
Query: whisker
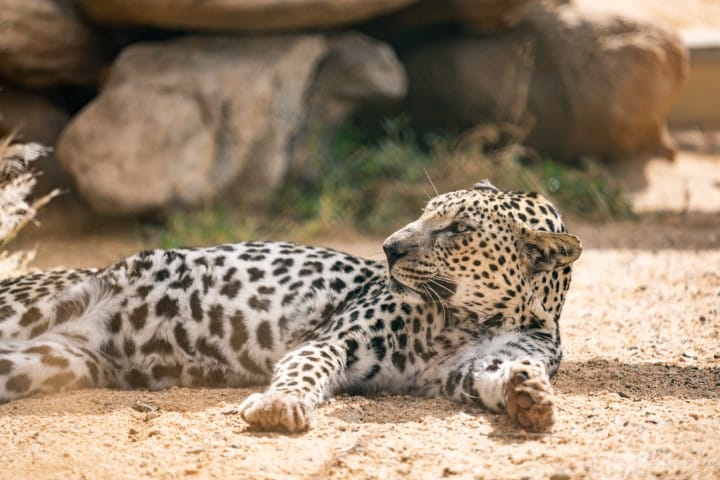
(435, 282)
(431, 182)
(436, 298)
(429, 293)
(444, 311)
(440, 276)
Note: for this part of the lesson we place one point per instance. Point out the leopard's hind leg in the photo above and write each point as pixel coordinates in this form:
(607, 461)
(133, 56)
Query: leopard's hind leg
(50, 329)
(33, 304)
(49, 363)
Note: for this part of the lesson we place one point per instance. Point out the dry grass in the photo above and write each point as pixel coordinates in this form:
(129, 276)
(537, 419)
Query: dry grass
(17, 207)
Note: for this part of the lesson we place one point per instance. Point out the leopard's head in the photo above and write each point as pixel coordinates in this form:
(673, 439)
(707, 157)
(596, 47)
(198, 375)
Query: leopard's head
(484, 251)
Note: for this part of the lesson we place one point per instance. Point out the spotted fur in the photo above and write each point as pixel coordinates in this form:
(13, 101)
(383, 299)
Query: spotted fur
(466, 307)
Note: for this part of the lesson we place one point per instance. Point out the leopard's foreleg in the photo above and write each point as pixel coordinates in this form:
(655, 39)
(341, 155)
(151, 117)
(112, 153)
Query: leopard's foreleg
(506, 374)
(303, 379)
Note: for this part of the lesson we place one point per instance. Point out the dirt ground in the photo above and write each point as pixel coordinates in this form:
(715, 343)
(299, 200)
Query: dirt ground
(682, 15)
(638, 392)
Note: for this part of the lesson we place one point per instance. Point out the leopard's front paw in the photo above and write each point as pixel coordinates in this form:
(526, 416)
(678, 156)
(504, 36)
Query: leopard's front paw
(529, 396)
(277, 411)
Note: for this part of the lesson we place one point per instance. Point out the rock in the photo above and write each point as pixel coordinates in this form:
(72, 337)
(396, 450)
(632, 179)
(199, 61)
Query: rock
(197, 118)
(586, 83)
(699, 104)
(560, 476)
(238, 15)
(181, 122)
(45, 42)
(31, 118)
(358, 75)
(478, 16)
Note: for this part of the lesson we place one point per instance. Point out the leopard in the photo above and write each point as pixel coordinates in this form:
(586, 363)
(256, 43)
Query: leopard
(464, 305)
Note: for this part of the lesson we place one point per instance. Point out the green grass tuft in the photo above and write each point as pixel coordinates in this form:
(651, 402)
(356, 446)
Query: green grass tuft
(211, 225)
(373, 186)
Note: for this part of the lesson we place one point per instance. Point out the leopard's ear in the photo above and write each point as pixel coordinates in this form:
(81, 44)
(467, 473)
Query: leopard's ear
(547, 251)
(485, 184)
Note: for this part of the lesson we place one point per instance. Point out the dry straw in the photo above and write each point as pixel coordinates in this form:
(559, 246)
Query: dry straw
(17, 208)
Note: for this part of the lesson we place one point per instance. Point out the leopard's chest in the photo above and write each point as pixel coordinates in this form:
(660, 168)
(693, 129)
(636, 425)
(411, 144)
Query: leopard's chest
(390, 344)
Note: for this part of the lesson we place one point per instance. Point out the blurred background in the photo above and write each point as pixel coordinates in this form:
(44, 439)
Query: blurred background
(176, 122)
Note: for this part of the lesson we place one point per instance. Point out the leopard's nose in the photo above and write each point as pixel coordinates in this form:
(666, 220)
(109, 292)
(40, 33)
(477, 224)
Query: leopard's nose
(393, 252)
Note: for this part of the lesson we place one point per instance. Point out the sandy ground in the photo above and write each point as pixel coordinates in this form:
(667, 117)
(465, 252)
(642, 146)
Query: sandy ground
(638, 397)
(680, 14)
(638, 393)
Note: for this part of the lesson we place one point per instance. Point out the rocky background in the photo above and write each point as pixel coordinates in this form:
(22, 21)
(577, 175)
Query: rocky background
(153, 104)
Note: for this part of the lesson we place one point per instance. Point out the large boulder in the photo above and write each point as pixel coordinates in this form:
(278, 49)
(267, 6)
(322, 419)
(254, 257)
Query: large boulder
(238, 15)
(182, 121)
(585, 82)
(29, 117)
(477, 16)
(186, 121)
(46, 42)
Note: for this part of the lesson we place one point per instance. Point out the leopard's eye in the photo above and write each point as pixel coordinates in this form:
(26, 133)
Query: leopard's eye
(458, 227)
(455, 228)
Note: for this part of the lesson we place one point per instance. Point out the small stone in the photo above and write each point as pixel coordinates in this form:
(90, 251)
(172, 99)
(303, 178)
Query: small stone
(151, 416)
(448, 471)
(140, 406)
(560, 476)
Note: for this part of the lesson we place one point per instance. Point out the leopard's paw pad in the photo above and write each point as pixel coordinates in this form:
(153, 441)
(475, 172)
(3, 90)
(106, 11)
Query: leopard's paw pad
(529, 396)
